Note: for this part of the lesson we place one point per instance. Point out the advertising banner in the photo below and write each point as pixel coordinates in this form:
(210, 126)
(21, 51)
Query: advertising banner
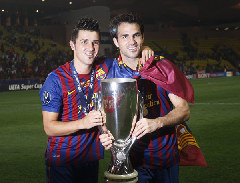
(19, 85)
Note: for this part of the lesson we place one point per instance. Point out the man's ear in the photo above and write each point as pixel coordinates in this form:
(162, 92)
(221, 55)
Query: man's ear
(115, 42)
(72, 45)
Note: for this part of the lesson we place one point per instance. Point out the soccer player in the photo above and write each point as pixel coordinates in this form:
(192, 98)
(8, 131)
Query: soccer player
(154, 154)
(67, 96)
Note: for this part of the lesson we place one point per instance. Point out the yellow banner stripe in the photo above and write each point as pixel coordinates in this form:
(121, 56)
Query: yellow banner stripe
(186, 139)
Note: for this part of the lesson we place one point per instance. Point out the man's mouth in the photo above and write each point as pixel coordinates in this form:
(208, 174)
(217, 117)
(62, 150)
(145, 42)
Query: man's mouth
(90, 54)
(133, 48)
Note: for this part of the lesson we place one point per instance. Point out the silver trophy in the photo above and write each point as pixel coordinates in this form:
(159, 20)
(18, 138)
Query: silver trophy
(121, 105)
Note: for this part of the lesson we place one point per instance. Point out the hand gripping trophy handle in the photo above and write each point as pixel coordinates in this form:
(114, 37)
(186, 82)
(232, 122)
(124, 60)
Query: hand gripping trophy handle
(121, 105)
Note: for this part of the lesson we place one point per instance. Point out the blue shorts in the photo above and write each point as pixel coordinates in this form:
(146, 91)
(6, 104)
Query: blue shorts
(85, 173)
(168, 175)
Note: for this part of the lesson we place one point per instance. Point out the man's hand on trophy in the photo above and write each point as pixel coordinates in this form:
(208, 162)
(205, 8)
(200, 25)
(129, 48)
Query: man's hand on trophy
(106, 140)
(145, 126)
(93, 118)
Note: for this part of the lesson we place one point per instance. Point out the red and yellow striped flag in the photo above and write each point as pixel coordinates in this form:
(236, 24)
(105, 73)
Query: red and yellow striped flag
(189, 150)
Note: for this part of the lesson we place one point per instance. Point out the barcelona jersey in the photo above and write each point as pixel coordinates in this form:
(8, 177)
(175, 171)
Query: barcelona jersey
(157, 149)
(59, 95)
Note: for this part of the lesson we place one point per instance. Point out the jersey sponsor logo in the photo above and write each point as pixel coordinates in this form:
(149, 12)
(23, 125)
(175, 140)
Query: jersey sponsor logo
(70, 92)
(100, 74)
(83, 85)
(148, 103)
(46, 97)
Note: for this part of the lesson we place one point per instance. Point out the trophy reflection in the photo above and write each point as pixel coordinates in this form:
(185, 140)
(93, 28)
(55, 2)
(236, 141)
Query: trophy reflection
(121, 105)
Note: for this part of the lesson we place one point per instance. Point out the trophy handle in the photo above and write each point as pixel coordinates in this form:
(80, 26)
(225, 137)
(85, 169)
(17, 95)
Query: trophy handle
(140, 105)
(98, 101)
(98, 107)
(101, 129)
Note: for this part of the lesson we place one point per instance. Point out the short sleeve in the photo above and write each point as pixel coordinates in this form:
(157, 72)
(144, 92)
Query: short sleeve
(51, 94)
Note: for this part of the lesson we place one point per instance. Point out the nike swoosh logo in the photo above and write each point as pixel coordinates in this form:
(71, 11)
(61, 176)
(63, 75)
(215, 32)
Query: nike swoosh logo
(69, 93)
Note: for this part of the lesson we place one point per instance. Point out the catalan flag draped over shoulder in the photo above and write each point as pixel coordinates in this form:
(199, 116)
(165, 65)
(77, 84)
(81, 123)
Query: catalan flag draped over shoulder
(165, 74)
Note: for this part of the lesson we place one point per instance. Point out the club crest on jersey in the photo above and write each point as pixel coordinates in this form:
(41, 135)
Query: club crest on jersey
(46, 97)
(100, 74)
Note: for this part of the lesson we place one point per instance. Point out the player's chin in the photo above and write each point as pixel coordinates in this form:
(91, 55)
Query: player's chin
(91, 59)
(134, 54)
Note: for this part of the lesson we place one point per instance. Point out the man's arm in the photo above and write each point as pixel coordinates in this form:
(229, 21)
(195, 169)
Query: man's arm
(53, 127)
(180, 113)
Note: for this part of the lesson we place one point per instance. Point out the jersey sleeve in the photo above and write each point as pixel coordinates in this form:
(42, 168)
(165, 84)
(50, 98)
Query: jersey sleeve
(51, 94)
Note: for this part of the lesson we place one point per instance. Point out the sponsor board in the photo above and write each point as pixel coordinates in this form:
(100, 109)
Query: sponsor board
(20, 85)
(205, 75)
(220, 74)
(16, 87)
(190, 76)
(217, 74)
(229, 74)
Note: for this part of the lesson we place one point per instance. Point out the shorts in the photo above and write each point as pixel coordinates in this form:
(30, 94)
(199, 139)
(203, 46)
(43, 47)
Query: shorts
(168, 175)
(84, 173)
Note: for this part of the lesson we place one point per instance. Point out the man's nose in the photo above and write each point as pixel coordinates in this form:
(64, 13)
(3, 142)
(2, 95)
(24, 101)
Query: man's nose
(132, 40)
(91, 46)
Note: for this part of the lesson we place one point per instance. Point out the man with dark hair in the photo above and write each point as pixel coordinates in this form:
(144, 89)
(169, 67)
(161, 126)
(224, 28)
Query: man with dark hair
(67, 96)
(117, 20)
(154, 154)
(73, 148)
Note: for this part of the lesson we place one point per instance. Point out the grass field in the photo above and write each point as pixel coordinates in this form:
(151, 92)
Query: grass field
(215, 122)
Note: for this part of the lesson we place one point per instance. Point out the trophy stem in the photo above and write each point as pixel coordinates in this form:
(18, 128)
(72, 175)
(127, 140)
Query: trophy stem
(120, 168)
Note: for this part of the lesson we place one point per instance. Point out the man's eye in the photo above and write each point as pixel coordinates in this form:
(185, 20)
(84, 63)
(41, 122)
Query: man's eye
(96, 42)
(136, 35)
(84, 41)
(124, 36)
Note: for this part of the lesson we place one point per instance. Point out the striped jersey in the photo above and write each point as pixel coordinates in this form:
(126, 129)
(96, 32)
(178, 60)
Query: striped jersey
(157, 149)
(59, 95)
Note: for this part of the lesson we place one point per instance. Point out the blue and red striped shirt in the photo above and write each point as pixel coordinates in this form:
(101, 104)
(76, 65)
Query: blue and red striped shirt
(59, 95)
(158, 149)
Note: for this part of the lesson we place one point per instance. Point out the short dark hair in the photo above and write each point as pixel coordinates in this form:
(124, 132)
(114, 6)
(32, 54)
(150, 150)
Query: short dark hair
(131, 17)
(84, 23)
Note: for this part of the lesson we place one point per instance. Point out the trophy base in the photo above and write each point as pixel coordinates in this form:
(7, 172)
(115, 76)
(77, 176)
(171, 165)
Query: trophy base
(114, 178)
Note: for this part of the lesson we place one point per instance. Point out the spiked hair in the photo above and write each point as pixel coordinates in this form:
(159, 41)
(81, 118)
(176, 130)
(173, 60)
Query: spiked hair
(84, 23)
